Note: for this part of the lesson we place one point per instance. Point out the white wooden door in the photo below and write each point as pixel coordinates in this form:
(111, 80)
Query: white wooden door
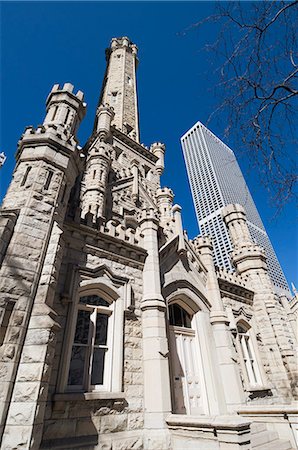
(186, 371)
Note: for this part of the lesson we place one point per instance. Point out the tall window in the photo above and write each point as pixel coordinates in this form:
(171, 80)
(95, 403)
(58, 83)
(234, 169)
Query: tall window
(6, 314)
(248, 354)
(90, 357)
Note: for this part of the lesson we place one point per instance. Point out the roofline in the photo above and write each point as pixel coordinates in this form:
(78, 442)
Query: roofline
(208, 131)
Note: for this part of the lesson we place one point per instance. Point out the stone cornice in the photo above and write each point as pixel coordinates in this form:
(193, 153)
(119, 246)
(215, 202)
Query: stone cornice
(235, 291)
(143, 151)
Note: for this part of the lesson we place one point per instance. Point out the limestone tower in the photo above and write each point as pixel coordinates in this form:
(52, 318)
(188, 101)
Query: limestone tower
(119, 87)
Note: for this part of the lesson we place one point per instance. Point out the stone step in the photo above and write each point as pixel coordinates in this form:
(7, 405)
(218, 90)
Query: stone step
(257, 427)
(275, 445)
(263, 437)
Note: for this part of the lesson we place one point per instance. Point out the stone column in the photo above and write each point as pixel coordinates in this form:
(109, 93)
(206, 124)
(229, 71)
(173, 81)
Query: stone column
(26, 412)
(230, 376)
(250, 260)
(157, 397)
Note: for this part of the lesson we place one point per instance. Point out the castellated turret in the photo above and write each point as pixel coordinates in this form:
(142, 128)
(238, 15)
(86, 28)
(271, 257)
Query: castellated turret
(246, 254)
(31, 230)
(65, 110)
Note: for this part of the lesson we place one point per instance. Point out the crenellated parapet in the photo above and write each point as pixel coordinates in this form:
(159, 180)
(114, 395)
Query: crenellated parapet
(123, 42)
(148, 214)
(232, 277)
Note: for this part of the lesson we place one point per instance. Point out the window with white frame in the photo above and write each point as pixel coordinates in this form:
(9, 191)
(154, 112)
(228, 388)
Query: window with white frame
(91, 354)
(246, 348)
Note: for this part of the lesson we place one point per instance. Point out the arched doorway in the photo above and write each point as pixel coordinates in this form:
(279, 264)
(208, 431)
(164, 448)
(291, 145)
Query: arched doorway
(188, 385)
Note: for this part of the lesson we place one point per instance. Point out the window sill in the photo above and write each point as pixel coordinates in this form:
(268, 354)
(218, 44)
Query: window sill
(258, 388)
(77, 396)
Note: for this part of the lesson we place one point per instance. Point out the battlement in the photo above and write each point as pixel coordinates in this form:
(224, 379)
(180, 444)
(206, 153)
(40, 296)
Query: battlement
(117, 230)
(46, 132)
(231, 277)
(164, 192)
(123, 42)
(123, 173)
(67, 87)
(130, 235)
(148, 214)
(201, 241)
(249, 249)
(157, 147)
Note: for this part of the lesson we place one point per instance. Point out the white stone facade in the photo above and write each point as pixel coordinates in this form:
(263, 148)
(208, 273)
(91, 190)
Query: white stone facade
(117, 332)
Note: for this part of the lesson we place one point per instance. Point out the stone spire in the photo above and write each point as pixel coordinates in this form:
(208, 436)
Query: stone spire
(119, 86)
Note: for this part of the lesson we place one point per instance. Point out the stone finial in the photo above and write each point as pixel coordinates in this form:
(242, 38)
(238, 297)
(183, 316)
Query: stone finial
(105, 115)
(158, 149)
(179, 228)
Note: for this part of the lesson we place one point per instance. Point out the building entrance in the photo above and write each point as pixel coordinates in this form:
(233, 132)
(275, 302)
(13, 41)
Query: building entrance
(186, 368)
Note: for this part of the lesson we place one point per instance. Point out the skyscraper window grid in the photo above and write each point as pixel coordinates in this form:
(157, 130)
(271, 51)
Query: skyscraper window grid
(216, 180)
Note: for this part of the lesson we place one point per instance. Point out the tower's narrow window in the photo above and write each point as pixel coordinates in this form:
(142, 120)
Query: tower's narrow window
(67, 116)
(94, 173)
(5, 320)
(114, 97)
(55, 113)
(48, 180)
(63, 193)
(26, 175)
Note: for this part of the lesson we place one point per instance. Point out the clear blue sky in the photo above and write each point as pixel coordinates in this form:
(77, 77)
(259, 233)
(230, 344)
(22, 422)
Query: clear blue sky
(56, 42)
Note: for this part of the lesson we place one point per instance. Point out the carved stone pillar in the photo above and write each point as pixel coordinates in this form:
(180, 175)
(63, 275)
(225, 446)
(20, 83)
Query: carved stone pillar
(230, 376)
(157, 398)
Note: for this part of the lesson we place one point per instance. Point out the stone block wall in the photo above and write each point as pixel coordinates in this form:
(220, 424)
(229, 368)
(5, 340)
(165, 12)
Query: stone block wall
(98, 420)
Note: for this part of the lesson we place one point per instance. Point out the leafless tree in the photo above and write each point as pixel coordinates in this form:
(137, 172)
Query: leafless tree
(258, 86)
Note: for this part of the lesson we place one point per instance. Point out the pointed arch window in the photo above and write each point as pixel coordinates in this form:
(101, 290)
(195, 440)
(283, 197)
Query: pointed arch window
(248, 355)
(90, 362)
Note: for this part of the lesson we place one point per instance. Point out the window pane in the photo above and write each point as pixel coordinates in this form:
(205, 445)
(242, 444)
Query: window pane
(179, 317)
(82, 327)
(101, 329)
(77, 364)
(186, 319)
(98, 366)
(94, 300)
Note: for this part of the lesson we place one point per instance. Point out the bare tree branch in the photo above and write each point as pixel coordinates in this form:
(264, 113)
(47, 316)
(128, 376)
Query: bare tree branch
(258, 86)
